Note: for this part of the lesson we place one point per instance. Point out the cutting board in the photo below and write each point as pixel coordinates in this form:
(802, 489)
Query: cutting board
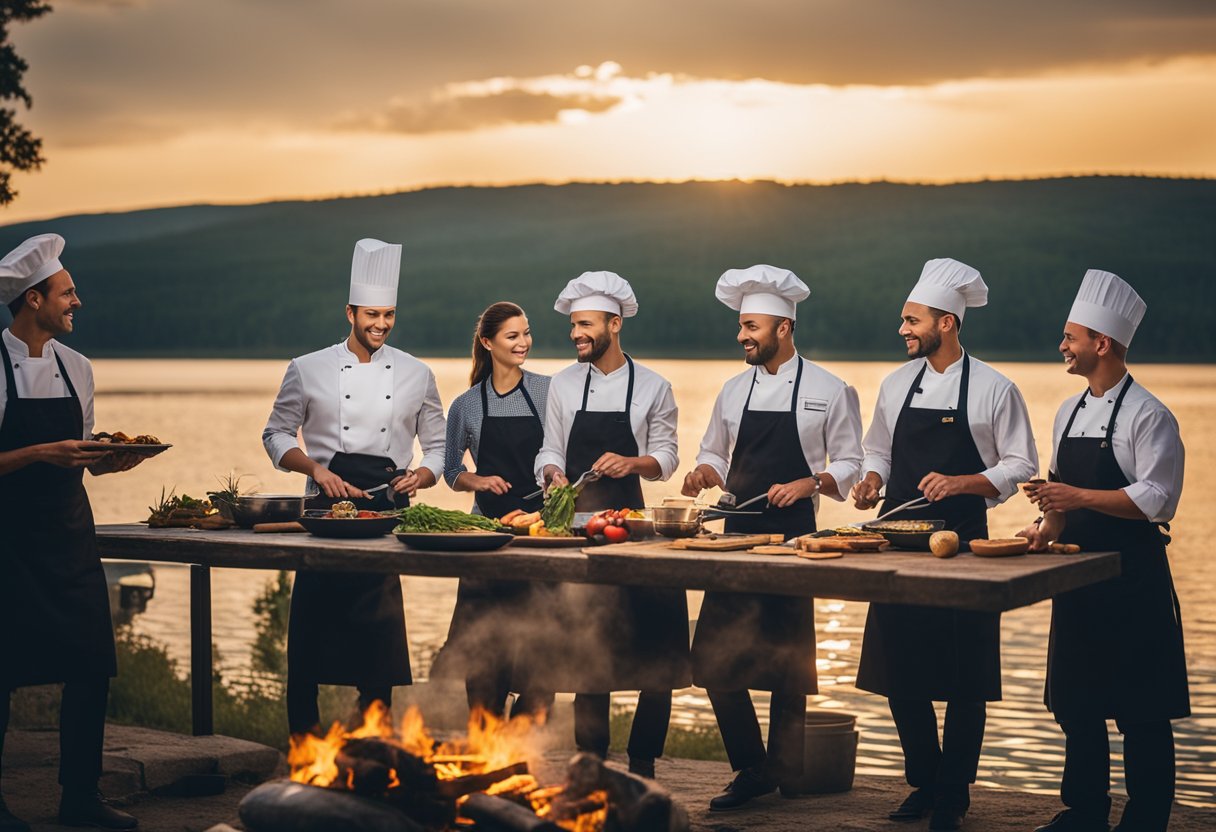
(725, 543)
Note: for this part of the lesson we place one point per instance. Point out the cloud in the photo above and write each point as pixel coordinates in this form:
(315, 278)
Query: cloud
(186, 65)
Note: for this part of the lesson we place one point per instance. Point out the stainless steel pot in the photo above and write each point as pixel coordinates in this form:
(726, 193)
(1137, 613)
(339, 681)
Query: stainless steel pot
(678, 521)
(267, 508)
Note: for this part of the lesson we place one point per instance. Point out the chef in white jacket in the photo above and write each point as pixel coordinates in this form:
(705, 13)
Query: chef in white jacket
(358, 405)
(773, 429)
(954, 430)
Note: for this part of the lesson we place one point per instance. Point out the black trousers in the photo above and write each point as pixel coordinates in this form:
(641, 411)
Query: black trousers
(82, 728)
(303, 715)
(488, 689)
(951, 764)
(647, 736)
(740, 730)
(1148, 768)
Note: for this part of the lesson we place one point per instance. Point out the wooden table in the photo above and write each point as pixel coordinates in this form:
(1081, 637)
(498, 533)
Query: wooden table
(963, 582)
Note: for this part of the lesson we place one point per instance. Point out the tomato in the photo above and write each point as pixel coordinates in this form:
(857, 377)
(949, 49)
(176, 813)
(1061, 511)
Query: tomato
(364, 515)
(616, 534)
(596, 525)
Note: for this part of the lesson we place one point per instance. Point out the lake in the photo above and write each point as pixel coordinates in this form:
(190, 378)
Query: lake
(213, 413)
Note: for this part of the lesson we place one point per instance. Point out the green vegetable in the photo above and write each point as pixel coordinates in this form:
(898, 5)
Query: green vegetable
(558, 510)
(424, 518)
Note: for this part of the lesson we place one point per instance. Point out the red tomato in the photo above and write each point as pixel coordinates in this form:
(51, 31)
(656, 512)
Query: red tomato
(616, 534)
(596, 525)
(363, 515)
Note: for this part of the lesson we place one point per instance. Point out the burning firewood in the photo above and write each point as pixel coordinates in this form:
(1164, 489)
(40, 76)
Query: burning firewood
(494, 814)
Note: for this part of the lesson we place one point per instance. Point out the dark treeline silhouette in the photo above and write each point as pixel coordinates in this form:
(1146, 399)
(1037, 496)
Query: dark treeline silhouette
(271, 280)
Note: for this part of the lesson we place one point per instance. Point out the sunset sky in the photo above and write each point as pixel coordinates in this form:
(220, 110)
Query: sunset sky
(161, 102)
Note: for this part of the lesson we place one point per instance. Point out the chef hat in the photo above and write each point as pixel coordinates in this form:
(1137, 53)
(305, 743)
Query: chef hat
(601, 291)
(949, 285)
(767, 290)
(374, 273)
(1107, 304)
(29, 264)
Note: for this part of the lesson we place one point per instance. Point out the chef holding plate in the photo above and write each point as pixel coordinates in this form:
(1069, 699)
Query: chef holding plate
(358, 406)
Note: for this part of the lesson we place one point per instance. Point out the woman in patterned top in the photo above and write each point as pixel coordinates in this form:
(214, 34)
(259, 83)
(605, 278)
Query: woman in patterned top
(493, 638)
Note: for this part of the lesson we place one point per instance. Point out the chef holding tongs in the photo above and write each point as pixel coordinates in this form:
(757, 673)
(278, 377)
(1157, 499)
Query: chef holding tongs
(774, 427)
(952, 429)
(358, 405)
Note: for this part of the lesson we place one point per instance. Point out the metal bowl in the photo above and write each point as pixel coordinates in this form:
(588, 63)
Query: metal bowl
(677, 521)
(913, 541)
(267, 508)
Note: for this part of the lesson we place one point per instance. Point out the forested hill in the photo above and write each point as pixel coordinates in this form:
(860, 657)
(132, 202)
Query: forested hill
(271, 279)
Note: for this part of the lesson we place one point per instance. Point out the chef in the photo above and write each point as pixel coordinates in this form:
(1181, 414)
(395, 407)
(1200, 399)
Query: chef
(952, 429)
(1115, 650)
(773, 429)
(54, 604)
(358, 405)
(611, 415)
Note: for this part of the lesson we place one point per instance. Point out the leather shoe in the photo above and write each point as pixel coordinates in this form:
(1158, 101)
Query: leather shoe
(748, 784)
(642, 767)
(10, 822)
(90, 809)
(915, 806)
(1072, 821)
(946, 818)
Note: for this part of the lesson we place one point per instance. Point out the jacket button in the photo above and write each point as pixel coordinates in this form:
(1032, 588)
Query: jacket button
(388, 366)
(348, 395)
(382, 430)
(388, 397)
(346, 427)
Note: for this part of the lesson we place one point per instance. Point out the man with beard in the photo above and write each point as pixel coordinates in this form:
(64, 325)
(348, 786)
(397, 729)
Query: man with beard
(773, 427)
(54, 606)
(613, 416)
(358, 405)
(950, 428)
(1116, 649)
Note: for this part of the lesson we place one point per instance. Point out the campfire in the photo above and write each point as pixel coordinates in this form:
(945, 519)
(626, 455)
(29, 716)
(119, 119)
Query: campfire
(379, 776)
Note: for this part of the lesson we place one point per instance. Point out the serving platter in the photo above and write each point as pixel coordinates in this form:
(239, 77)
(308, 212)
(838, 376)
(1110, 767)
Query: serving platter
(472, 541)
(125, 448)
(349, 527)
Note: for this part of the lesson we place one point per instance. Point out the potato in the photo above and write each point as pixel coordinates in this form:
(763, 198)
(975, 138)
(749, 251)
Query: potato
(944, 544)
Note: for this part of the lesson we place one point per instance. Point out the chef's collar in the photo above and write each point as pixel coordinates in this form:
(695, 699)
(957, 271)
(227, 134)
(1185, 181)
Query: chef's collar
(20, 349)
(956, 367)
(1116, 386)
(786, 367)
(595, 369)
(377, 356)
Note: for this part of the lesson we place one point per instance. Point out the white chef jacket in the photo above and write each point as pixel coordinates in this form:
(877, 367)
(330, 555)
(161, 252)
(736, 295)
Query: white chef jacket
(1146, 441)
(996, 412)
(828, 416)
(38, 378)
(652, 417)
(337, 404)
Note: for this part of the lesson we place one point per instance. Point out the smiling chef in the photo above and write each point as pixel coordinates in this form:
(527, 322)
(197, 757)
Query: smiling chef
(358, 405)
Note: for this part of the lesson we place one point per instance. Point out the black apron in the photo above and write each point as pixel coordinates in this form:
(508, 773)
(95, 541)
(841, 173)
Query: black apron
(915, 652)
(493, 624)
(614, 637)
(1115, 650)
(746, 640)
(348, 628)
(54, 605)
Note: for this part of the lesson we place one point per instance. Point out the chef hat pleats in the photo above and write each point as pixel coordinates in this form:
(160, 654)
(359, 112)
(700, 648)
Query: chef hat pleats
(375, 271)
(598, 291)
(1106, 303)
(762, 289)
(949, 285)
(30, 263)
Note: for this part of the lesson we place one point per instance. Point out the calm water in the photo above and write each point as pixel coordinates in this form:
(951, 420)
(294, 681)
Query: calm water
(213, 412)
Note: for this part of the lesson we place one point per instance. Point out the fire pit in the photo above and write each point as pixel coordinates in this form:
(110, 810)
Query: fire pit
(377, 779)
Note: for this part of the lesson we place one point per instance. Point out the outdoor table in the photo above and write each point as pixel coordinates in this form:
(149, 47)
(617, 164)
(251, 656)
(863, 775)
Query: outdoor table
(962, 582)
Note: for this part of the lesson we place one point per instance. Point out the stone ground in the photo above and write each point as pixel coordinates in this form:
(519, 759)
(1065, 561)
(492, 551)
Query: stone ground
(139, 760)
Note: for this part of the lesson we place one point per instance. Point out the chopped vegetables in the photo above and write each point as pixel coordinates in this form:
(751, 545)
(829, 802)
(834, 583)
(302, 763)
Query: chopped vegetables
(424, 518)
(558, 510)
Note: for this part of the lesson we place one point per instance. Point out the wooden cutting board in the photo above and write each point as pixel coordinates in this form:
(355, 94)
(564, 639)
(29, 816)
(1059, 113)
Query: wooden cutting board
(725, 543)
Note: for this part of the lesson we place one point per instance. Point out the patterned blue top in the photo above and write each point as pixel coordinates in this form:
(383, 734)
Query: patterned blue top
(464, 417)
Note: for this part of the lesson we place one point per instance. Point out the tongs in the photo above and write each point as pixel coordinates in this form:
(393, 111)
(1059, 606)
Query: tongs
(577, 485)
(918, 502)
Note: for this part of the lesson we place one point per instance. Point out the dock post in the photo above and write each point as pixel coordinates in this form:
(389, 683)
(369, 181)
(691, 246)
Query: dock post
(201, 710)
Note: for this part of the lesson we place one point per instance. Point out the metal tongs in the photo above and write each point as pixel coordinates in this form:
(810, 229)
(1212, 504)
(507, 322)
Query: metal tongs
(577, 485)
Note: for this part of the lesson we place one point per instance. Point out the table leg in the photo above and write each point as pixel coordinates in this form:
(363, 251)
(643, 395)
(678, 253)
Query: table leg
(200, 651)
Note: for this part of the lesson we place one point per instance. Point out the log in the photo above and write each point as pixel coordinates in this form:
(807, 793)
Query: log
(634, 803)
(494, 814)
(412, 771)
(470, 783)
(283, 806)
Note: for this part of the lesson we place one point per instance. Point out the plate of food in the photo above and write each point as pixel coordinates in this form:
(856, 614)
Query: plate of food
(185, 512)
(469, 540)
(906, 534)
(346, 521)
(144, 444)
